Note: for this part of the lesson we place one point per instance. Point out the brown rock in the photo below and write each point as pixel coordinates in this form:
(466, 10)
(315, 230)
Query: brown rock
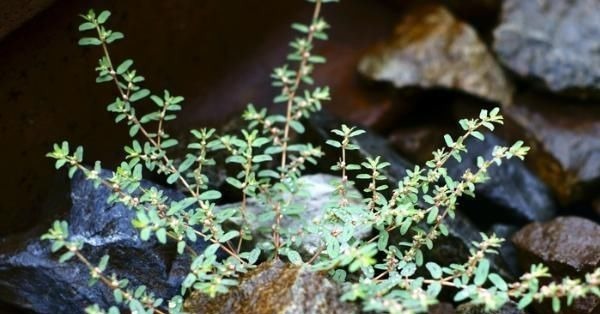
(441, 308)
(569, 246)
(565, 142)
(431, 48)
(275, 287)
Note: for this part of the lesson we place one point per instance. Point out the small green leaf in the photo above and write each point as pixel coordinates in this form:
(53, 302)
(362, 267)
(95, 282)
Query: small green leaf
(210, 195)
(448, 140)
(86, 26)
(254, 254)
(124, 66)
(229, 235)
(139, 95)
(89, 41)
(180, 247)
(103, 16)
(261, 158)
(161, 235)
(66, 256)
(481, 272)
(168, 143)
(297, 126)
(434, 269)
(383, 240)
(294, 257)
(114, 36)
(498, 282)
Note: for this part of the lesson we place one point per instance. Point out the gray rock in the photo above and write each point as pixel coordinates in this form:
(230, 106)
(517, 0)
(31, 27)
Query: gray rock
(431, 48)
(275, 287)
(31, 276)
(565, 141)
(555, 41)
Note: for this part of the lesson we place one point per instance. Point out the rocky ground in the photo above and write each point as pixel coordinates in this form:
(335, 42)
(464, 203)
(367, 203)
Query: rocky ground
(407, 70)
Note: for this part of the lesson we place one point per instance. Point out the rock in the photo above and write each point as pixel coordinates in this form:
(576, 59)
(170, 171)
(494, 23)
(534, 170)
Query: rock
(507, 251)
(569, 246)
(512, 195)
(565, 141)
(431, 48)
(441, 308)
(314, 199)
(28, 268)
(508, 308)
(275, 287)
(554, 41)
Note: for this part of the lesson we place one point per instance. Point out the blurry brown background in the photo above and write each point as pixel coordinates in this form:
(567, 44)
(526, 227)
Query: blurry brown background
(216, 54)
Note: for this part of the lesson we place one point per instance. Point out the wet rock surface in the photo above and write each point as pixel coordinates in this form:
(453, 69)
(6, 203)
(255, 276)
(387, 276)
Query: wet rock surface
(275, 287)
(431, 48)
(32, 277)
(565, 139)
(554, 41)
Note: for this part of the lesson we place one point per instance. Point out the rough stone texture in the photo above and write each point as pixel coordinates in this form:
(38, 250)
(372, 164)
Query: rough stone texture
(275, 287)
(555, 41)
(431, 48)
(508, 308)
(314, 198)
(32, 277)
(13, 13)
(565, 141)
(569, 246)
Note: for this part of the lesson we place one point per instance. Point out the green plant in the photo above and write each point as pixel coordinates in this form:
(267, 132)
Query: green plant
(269, 166)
